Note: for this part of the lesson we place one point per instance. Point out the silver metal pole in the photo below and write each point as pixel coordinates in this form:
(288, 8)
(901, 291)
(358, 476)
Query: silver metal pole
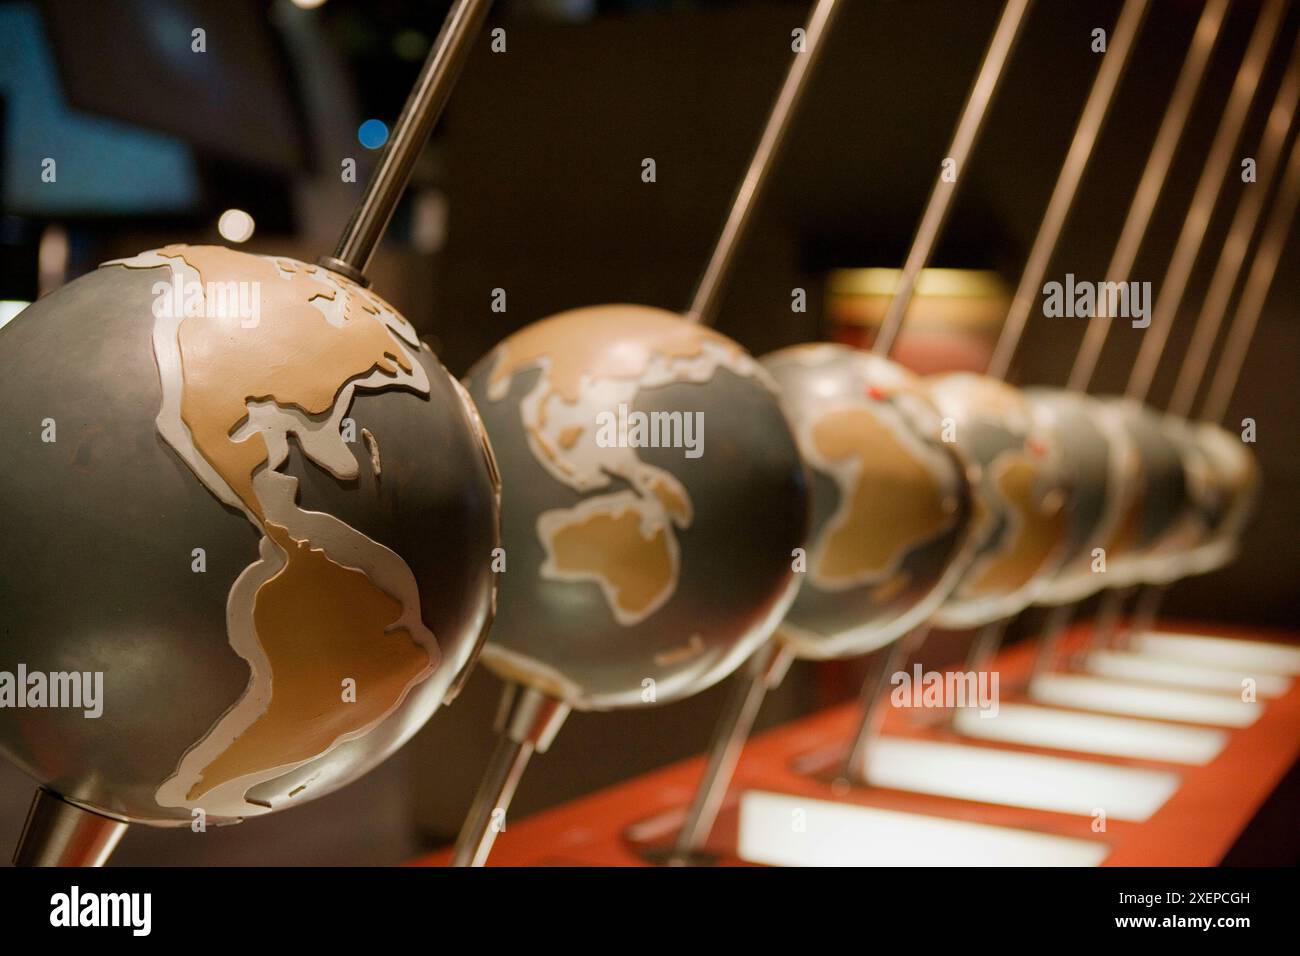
(1094, 115)
(1215, 307)
(58, 833)
(1154, 175)
(704, 304)
(959, 150)
(748, 688)
(871, 702)
(1255, 291)
(527, 721)
(423, 107)
(1196, 223)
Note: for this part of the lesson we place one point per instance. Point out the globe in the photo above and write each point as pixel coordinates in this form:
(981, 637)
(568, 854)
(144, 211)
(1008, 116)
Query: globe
(1022, 495)
(1221, 479)
(891, 506)
(1102, 467)
(653, 501)
(1235, 475)
(1158, 523)
(243, 494)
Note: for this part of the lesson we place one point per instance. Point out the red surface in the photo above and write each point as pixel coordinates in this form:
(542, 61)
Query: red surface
(1196, 827)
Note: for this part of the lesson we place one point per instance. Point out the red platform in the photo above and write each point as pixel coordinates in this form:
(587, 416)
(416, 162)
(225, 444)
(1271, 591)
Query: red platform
(1196, 827)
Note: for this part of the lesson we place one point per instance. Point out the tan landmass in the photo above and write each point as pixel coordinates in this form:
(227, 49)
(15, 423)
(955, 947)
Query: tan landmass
(895, 504)
(1036, 529)
(610, 548)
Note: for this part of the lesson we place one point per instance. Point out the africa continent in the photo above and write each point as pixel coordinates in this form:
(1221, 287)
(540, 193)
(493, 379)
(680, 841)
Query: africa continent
(891, 500)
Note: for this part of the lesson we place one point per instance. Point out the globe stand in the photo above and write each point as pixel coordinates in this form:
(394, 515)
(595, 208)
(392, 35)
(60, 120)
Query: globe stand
(58, 833)
(527, 721)
(871, 705)
(764, 671)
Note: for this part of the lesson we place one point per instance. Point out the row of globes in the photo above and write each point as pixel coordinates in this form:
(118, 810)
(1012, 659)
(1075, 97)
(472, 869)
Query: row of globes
(839, 501)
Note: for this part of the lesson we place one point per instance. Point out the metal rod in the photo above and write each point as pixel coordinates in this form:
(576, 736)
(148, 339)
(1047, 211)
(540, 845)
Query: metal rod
(527, 721)
(986, 644)
(423, 107)
(58, 833)
(704, 304)
(496, 790)
(945, 186)
(1204, 40)
(1204, 199)
(1145, 608)
(1215, 306)
(872, 700)
(1049, 643)
(763, 671)
(1255, 291)
(1105, 622)
(1224, 279)
(1094, 115)
(1154, 176)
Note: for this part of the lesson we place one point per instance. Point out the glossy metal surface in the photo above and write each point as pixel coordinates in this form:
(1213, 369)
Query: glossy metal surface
(1022, 490)
(892, 518)
(1157, 526)
(57, 833)
(589, 612)
(97, 559)
(1102, 464)
(411, 132)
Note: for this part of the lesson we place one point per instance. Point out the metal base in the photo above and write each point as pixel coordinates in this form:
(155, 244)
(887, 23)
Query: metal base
(871, 703)
(527, 721)
(57, 833)
(764, 670)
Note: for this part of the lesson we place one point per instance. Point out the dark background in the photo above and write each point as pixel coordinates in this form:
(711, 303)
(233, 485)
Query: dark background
(533, 185)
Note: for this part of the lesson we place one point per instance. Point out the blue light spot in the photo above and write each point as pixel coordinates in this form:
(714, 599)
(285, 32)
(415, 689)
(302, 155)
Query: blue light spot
(373, 134)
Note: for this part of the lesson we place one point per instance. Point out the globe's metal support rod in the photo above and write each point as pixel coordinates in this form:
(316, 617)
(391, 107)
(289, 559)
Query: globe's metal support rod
(527, 722)
(58, 833)
(1094, 115)
(1049, 645)
(945, 187)
(871, 702)
(1255, 291)
(1106, 620)
(762, 672)
(1154, 175)
(423, 107)
(704, 304)
(1188, 247)
(1204, 39)
(1197, 221)
(1215, 306)
(1145, 609)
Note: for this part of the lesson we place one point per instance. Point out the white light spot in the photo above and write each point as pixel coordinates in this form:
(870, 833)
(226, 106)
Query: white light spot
(235, 225)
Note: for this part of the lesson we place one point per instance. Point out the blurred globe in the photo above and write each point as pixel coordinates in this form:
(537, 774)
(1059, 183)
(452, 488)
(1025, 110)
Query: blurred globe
(1221, 479)
(891, 507)
(1102, 467)
(1235, 473)
(653, 499)
(1157, 525)
(1021, 490)
(239, 488)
